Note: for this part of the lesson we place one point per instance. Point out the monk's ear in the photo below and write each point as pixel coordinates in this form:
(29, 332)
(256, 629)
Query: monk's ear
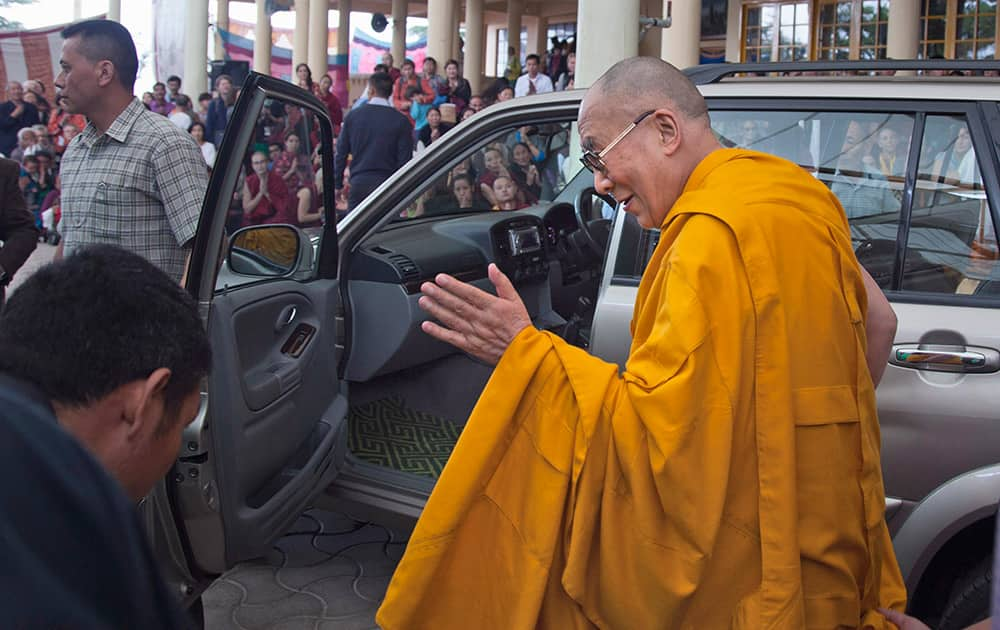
(669, 129)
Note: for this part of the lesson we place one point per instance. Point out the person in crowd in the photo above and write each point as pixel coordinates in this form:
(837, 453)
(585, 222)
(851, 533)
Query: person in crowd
(30, 186)
(859, 194)
(197, 131)
(274, 151)
(173, 88)
(42, 139)
(58, 119)
(333, 105)
(532, 81)
(463, 187)
(220, 109)
(566, 78)
(437, 83)
(101, 360)
(505, 94)
(147, 99)
(266, 198)
(505, 194)
(418, 108)
(958, 161)
(160, 104)
(390, 64)
(467, 113)
(459, 89)
(51, 213)
(713, 482)
(887, 158)
(403, 97)
(433, 130)
(525, 174)
(204, 100)
(557, 58)
(304, 77)
(476, 103)
(34, 93)
(496, 166)
(18, 232)
(27, 144)
(361, 100)
(69, 131)
(132, 176)
(513, 70)
(181, 115)
(292, 165)
(378, 138)
(15, 114)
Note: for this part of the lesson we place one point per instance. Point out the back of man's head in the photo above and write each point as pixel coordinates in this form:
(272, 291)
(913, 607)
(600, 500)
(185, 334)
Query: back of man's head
(381, 84)
(80, 328)
(660, 84)
(107, 40)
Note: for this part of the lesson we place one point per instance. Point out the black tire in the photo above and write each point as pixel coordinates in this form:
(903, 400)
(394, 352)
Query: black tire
(970, 598)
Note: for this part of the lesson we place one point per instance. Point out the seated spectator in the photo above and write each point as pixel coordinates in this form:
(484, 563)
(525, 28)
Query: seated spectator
(197, 131)
(69, 131)
(274, 151)
(418, 108)
(532, 81)
(464, 189)
(859, 194)
(42, 138)
(505, 94)
(265, 195)
(439, 87)
(160, 104)
(958, 161)
(505, 194)
(147, 99)
(459, 90)
(27, 144)
(403, 96)
(57, 123)
(494, 164)
(36, 181)
(292, 165)
(525, 174)
(181, 115)
(887, 157)
(433, 130)
(468, 113)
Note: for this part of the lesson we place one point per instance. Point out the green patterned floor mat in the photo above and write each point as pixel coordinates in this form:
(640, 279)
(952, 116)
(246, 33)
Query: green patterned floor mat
(387, 433)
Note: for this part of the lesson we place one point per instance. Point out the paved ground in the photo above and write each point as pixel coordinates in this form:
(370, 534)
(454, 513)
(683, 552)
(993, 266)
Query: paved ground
(329, 573)
(42, 255)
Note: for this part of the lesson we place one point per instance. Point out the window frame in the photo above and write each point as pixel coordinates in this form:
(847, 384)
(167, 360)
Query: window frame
(983, 142)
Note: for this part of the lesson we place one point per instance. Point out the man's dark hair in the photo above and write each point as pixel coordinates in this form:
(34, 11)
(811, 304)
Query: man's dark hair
(432, 60)
(160, 84)
(533, 56)
(181, 100)
(407, 62)
(381, 84)
(82, 327)
(174, 77)
(381, 67)
(204, 96)
(108, 40)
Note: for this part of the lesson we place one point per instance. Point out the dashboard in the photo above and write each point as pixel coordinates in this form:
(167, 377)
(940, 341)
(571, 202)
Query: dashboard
(532, 246)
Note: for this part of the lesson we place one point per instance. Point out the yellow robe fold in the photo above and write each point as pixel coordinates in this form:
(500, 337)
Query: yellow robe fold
(728, 478)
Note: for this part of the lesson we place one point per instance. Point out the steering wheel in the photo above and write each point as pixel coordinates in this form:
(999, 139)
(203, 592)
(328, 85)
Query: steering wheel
(592, 237)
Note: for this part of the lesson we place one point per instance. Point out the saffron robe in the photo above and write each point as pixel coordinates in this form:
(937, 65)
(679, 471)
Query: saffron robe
(728, 478)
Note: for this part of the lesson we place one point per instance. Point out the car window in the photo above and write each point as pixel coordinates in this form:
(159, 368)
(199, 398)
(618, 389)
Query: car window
(951, 246)
(514, 169)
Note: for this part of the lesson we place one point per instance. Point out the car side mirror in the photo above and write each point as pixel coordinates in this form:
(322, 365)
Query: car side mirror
(268, 251)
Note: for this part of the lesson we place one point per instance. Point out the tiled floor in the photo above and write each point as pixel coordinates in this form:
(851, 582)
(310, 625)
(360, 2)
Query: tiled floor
(329, 573)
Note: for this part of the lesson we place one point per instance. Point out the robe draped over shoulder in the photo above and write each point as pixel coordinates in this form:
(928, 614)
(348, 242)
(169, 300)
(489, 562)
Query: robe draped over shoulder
(728, 477)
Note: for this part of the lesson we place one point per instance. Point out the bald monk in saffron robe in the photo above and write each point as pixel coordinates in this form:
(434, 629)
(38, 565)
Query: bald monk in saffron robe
(729, 477)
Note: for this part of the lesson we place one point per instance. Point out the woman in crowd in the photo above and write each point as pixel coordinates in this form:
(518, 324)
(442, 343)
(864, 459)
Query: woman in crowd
(304, 77)
(525, 173)
(265, 195)
(433, 130)
(34, 93)
(459, 90)
(463, 187)
(505, 94)
(292, 165)
(493, 160)
(59, 117)
(197, 131)
(333, 104)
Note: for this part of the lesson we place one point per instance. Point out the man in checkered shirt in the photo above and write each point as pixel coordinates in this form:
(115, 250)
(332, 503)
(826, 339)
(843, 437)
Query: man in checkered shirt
(131, 178)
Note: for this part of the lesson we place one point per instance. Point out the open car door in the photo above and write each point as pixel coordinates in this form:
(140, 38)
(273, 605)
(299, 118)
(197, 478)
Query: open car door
(265, 442)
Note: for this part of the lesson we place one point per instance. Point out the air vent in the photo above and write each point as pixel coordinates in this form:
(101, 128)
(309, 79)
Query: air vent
(407, 269)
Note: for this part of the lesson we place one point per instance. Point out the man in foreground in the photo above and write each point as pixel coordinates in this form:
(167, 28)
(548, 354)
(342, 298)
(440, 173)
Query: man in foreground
(729, 477)
(101, 358)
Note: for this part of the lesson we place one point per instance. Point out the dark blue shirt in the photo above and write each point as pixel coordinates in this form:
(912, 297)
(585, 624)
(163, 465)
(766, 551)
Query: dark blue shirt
(379, 140)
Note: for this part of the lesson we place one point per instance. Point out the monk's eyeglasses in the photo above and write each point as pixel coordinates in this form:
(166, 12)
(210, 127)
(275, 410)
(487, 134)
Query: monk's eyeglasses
(594, 161)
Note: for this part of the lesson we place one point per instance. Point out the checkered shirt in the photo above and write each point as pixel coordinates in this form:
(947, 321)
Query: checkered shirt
(139, 185)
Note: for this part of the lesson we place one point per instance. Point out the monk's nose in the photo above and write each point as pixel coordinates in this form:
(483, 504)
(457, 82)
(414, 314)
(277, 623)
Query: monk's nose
(603, 183)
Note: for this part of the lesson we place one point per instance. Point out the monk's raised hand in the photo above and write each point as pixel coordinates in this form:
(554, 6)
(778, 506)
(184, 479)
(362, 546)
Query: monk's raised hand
(471, 319)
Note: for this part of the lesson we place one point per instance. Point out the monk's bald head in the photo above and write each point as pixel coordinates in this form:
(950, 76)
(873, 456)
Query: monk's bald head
(640, 84)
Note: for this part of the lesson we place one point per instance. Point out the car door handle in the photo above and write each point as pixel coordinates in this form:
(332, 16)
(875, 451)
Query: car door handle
(285, 317)
(939, 358)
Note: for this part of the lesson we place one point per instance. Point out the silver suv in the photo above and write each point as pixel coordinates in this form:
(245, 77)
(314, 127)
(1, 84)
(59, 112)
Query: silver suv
(326, 393)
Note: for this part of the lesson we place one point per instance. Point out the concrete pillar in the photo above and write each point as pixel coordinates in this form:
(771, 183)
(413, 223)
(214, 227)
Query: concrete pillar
(221, 23)
(734, 30)
(538, 39)
(681, 44)
(606, 33)
(399, 11)
(300, 38)
(650, 42)
(473, 62)
(115, 10)
(440, 24)
(262, 40)
(344, 27)
(515, 9)
(319, 36)
(77, 10)
(472, 56)
(196, 48)
(904, 29)
(456, 35)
